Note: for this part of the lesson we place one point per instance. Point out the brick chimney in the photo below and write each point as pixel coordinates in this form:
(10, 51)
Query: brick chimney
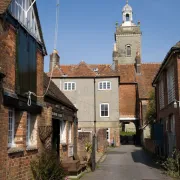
(54, 60)
(138, 63)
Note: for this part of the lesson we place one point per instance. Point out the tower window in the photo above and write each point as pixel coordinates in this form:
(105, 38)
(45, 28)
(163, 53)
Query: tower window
(127, 17)
(128, 50)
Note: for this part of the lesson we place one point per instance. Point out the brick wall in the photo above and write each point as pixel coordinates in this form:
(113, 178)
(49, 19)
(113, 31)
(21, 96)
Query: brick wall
(15, 162)
(149, 145)
(102, 140)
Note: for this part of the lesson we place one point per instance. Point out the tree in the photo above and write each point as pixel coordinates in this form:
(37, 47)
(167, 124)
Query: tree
(151, 110)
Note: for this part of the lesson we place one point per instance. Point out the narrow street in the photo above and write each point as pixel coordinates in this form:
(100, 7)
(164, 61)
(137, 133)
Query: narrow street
(126, 163)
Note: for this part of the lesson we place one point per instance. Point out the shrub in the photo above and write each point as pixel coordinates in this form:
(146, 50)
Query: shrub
(47, 167)
(122, 133)
(172, 164)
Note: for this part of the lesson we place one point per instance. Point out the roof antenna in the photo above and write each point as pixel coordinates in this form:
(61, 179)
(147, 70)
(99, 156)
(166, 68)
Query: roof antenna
(56, 26)
(25, 10)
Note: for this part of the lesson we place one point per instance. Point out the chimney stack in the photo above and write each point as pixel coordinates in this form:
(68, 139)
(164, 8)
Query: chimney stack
(54, 60)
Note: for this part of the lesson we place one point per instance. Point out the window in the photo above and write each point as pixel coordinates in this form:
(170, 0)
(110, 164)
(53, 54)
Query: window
(166, 124)
(127, 17)
(69, 86)
(104, 110)
(161, 94)
(104, 85)
(108, 134)
(31, 130)
(62, 132)
(70, 132)
(17, 8)
(26, 63)
(170, 84)
(172, 122)
(128, 50)
(11, 127)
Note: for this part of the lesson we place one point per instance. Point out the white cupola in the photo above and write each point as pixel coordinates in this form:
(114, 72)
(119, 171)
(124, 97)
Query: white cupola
(127, 14)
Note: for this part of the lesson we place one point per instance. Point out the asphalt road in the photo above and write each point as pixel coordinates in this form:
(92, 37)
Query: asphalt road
(126, 163)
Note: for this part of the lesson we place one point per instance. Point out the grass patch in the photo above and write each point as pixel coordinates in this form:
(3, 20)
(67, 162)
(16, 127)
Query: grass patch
(122, 133)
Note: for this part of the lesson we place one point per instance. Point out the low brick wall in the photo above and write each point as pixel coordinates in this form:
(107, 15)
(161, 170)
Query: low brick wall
(102, 140)
(149, 145)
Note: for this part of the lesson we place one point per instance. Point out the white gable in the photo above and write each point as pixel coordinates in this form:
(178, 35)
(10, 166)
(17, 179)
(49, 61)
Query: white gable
(25, 14)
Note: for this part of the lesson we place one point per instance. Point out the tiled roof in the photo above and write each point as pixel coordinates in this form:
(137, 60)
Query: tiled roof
(126, 73)
(56, 93)
(148, 72)
(84, 70)
(4, 5)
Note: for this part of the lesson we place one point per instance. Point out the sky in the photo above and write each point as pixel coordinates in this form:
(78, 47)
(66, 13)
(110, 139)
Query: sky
(86, 28)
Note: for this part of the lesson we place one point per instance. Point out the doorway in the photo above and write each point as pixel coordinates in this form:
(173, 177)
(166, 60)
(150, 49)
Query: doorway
(56, 135)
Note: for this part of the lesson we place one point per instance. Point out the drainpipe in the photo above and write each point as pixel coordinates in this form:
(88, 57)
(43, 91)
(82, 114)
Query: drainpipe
(94, 135)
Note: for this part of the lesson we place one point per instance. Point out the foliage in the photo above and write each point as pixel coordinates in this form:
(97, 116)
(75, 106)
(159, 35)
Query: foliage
(151, 110)
(88, 147)
(122, 133)
(47, 167)
(172, 164)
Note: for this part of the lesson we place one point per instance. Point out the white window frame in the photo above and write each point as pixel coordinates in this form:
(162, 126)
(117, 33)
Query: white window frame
(12, 118)
(71, 85)
(108, 109)
(70, 132)
(62, 132)
(101, 83)
(170, 84)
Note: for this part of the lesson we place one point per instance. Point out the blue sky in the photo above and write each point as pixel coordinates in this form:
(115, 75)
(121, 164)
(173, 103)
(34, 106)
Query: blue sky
(86, 28)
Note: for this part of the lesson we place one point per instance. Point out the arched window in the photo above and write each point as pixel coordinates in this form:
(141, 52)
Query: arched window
(127, 17)
(128, 50)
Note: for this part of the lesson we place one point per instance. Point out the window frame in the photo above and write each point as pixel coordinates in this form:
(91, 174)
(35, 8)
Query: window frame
(63, 132)
(104, 89)
(101, 110)
(11, 144)
(128, 46)
(70, 133)
(71, 85)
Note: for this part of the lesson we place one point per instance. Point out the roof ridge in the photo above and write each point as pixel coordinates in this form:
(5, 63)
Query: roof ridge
(152, 63)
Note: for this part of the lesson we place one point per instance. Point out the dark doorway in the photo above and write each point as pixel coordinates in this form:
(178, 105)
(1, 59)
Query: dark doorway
(56, 135)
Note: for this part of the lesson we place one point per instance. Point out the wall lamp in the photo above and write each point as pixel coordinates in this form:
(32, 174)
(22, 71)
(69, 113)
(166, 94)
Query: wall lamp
(176, 103)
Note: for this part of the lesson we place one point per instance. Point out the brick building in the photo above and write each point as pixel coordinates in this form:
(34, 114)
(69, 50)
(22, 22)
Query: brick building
(24, 117)
(167, 89)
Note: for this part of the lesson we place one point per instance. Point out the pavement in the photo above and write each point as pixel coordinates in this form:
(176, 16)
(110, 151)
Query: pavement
(127, 162)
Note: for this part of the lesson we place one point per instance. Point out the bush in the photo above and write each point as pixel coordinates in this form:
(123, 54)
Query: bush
(172, 164)
(47, 167)
(122, 133)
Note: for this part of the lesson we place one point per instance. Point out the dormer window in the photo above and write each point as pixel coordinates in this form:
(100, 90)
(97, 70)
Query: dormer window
(127, 17)
(128, 50)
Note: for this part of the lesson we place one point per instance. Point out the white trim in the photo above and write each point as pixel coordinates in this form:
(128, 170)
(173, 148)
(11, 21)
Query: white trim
(71, 86)
(13, 126)
(108, 109)
(104, 89)
(127, 118)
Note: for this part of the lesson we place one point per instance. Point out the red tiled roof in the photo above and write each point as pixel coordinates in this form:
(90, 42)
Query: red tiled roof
(84, 70)
(148, 72)
(126, 73)
(4, 5)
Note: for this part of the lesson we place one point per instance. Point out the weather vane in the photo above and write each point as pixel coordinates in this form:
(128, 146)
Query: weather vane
(126, 1)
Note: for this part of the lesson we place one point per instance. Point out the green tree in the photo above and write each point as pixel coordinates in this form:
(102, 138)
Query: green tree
(151, 110)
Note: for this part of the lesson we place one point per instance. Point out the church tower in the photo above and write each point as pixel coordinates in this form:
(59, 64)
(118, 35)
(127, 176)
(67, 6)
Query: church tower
(127, 38)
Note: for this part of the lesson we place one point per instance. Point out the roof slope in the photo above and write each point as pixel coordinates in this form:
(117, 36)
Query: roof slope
(56, 93)
(148, 72)
(84, 70)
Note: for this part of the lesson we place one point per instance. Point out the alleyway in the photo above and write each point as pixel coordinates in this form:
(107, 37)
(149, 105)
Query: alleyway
(126, 163)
